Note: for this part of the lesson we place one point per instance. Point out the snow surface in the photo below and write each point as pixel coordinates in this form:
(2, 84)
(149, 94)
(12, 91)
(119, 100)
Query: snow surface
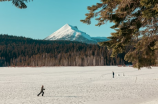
(79, 85)
(71, 33)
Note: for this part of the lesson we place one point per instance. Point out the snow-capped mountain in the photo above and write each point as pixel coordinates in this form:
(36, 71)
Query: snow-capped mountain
(71, 33)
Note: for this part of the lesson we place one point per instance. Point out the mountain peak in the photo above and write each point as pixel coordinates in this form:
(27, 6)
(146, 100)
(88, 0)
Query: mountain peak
(71, 33)
(67, 24)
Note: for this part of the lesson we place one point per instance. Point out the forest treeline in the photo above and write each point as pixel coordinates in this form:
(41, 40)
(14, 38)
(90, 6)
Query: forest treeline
(21, 51)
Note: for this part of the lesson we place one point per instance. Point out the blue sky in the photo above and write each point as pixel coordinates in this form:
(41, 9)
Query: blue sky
(43, 17)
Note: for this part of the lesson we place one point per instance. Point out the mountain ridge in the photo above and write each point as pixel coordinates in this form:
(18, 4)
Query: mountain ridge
(72, 33)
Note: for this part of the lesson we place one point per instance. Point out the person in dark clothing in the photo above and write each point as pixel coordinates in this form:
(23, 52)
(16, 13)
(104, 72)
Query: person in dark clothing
(113, 74)
(42, 91)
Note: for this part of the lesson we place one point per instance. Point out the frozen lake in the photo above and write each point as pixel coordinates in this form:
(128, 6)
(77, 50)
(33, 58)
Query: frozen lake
(78, 85)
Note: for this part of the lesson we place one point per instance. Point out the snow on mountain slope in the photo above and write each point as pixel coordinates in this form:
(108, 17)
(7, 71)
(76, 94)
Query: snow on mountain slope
(71, 33)
(100, 39)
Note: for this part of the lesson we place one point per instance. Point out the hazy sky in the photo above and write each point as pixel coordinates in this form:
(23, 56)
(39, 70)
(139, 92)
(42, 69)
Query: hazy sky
(43, 17)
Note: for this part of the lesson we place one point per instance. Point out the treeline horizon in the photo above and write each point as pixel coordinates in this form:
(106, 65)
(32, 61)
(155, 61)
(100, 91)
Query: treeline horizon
(21, 51)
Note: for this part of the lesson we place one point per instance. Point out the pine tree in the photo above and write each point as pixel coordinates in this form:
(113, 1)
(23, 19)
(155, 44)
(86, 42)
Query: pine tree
(18, 3)
(136, 25)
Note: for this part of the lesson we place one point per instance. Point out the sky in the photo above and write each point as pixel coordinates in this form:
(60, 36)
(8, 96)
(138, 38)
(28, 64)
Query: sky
(43, 17)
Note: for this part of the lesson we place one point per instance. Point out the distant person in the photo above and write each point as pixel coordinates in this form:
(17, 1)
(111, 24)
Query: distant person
(113, 74)
(42, 91)
(123, 74)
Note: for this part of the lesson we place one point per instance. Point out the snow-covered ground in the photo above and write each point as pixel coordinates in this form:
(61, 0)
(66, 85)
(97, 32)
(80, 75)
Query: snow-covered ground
(79, 85)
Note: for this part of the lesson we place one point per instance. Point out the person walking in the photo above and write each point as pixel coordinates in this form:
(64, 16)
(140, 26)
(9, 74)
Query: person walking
(42, 91)
(113, 74)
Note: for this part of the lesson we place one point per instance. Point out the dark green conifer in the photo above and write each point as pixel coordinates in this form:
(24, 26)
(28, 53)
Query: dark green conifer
(18, 3)
(136, 25)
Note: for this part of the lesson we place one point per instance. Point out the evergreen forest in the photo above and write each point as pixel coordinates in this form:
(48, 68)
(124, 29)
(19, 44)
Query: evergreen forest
(21, 51)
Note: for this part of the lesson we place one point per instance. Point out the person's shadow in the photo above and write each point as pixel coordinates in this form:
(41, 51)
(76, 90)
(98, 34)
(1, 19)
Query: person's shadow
(64, 96)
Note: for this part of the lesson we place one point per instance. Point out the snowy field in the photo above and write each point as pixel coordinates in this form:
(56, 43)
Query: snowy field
(79, 85)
